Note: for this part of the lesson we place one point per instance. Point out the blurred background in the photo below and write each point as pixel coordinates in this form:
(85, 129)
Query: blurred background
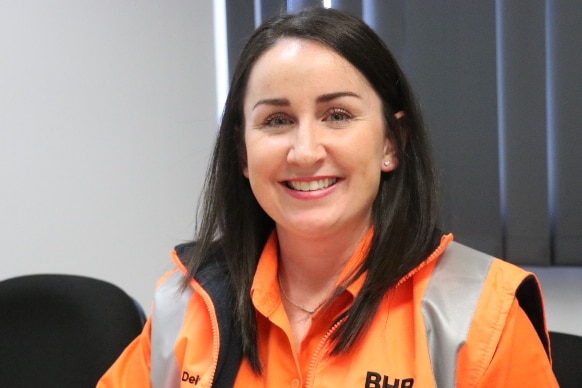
(107, 116)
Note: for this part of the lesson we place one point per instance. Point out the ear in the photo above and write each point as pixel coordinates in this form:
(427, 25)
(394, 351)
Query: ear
(403, 126)
(390, 159)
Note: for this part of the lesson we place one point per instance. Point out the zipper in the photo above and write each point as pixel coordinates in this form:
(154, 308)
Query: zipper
(447, 239)
(438, 252)
(215, 332)
(318, 350)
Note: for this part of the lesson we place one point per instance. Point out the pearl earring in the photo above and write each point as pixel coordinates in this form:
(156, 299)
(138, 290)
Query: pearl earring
(387, 163)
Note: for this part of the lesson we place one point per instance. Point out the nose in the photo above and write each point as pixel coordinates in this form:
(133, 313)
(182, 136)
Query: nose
(306, 146)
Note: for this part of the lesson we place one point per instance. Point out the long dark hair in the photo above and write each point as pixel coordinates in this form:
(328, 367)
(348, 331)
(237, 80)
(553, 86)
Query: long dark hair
(404, 212)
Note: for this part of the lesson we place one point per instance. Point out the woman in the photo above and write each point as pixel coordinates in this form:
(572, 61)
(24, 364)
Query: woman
(318, 259)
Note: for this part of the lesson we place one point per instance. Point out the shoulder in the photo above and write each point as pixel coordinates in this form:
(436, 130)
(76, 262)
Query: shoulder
(468, 301)
(178, 292)
(493, 283)
(511, 298)
(506, 284)
(197, 310)
(487, 276)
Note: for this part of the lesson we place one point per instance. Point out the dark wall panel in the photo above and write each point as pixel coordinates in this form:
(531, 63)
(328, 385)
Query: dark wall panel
(566, 81)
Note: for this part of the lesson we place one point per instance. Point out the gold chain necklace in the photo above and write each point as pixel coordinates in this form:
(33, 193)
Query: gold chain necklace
(299, 306)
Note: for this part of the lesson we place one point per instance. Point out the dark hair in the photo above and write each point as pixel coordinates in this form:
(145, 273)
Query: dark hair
(404, 212)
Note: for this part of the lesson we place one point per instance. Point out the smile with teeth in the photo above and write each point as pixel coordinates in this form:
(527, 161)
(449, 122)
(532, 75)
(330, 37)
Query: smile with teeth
(312, 185)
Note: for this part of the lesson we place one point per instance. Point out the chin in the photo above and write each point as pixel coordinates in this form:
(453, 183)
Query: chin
(308, 229)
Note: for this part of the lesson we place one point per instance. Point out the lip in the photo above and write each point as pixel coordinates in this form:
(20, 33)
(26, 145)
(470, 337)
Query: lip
(311, 187)
(311, 184)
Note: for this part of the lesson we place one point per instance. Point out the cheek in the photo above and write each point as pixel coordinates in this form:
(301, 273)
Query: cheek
(263, 155)
(249, 155)
(370, 165)
(257, 166)
(370, 152)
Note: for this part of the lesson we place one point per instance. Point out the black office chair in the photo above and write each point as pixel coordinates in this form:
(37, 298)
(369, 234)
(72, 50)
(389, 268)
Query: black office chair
(567, 359)
(62, 330)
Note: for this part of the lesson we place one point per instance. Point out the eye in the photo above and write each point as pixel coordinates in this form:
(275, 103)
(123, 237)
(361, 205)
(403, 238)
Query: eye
(338, 115)
(277, 120)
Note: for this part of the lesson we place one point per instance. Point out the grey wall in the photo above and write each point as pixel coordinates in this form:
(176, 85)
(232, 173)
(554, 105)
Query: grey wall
(497, 82)
(107, 113)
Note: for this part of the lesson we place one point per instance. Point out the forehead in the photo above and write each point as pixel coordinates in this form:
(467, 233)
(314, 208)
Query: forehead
(309, 62)
(288, 49)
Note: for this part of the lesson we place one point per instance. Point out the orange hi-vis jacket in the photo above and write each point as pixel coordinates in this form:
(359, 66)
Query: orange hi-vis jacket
(460, 319)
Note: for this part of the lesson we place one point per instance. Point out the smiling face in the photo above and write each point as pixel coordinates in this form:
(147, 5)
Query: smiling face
(315, 140)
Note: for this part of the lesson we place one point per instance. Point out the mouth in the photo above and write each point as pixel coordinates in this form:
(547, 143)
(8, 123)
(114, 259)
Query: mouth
(319, 184)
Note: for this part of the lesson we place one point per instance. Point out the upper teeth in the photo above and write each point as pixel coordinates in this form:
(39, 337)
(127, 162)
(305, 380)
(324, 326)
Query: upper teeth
(313, 185)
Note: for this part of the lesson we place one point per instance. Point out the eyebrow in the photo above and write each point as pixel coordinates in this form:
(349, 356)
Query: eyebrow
(333, 96)
(273, 101)
(323, 98)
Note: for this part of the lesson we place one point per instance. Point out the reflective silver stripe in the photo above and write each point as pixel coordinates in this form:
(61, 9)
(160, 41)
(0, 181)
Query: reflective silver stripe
(170, 305)
(449, 305)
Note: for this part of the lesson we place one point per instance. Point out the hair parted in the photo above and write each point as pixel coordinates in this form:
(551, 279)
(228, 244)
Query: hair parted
(405, 211)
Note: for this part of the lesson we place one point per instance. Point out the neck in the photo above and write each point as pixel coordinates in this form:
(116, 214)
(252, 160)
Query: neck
(309, 267)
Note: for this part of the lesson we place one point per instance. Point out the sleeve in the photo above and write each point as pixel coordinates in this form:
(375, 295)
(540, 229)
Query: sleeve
(132, 368)
(520, 359)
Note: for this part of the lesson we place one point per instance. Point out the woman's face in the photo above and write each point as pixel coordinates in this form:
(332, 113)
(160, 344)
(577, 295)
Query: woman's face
(315, 140)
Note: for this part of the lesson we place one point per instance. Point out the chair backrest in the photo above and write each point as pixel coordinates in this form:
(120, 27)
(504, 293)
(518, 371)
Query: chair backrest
(62, 330)
(567, 359)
